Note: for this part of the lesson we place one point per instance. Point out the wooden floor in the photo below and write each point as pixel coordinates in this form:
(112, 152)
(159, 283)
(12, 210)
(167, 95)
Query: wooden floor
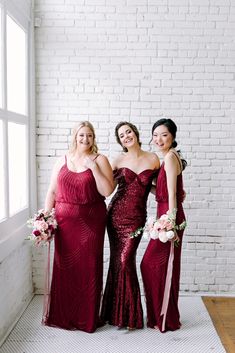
(222, 313)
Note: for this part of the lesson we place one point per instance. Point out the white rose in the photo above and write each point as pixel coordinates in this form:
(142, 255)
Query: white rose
(162, 236)
(170, 234)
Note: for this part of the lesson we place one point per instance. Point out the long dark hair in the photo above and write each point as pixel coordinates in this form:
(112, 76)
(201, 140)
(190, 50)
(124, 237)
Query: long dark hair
(172, 128)
(132, 127)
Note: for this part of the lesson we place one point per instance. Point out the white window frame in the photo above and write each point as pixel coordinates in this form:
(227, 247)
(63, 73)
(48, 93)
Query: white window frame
(13, 229)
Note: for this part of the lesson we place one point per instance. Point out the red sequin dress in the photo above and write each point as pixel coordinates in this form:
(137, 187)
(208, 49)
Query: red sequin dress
(126, 213)
(78, 261)
(154, 266)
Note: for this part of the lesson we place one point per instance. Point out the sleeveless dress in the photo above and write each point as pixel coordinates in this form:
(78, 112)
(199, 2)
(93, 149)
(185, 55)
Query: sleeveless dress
(76, 285)
(126, 213)
(160, 284)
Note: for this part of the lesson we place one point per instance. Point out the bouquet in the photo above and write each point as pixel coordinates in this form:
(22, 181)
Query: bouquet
(44, 225)
(163, 228)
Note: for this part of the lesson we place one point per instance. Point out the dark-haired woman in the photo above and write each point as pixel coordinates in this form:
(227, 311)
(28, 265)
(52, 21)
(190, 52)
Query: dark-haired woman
(160, 266)
(134, 170)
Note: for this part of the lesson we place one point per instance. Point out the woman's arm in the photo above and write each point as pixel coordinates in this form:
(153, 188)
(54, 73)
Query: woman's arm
(171, 168)
(172, 171)
(155, 165)
(50, 197)
(115, 164)
(103, 174)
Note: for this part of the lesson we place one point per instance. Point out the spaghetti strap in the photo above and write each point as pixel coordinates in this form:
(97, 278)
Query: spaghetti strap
(96, 156)
(179, 160)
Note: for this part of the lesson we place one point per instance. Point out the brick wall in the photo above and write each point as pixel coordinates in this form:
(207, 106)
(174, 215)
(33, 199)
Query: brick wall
(138, 60)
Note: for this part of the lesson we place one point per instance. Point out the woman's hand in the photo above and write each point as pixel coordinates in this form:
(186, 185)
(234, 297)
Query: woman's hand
(102, 173)
(176, 238)
(89, 163)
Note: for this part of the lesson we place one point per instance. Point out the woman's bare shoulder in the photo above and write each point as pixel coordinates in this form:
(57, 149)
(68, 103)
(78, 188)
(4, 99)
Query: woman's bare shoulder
(171, 156)
(118, 160)
(153, 157)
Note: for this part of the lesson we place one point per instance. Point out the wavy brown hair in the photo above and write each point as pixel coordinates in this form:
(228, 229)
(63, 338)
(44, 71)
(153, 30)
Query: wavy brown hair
(132, 127)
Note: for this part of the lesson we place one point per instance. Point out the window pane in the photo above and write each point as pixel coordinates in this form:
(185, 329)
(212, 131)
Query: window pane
(17, 155)
(2, 195)
(1, 58)
(16, 67)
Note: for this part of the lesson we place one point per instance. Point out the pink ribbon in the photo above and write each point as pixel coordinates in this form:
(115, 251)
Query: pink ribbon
(167, 288)
(46, 297)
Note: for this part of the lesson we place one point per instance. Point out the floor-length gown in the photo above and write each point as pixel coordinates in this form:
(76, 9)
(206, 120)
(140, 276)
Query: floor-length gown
(76, 285)
(127, 212)
(161, 285)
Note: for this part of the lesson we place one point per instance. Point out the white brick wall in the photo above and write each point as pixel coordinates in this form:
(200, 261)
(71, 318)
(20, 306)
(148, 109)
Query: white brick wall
(138, 60)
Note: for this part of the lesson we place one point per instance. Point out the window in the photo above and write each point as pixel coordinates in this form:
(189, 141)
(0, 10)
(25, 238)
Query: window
(1, 53)
(15, 121)
(16, 67)
(2, 193)
(17, 161)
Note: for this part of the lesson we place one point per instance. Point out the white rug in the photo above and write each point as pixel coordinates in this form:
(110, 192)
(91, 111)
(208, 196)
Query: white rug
(197, 334)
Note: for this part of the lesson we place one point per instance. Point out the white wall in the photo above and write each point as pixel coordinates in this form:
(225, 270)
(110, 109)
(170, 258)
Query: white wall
(16, 286)
(138, 60)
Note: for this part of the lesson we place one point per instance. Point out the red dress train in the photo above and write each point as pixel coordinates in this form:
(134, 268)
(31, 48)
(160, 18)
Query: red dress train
(154, 265)
(76, 285)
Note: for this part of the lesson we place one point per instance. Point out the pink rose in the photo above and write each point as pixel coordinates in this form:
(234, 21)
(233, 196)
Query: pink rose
(41, 225)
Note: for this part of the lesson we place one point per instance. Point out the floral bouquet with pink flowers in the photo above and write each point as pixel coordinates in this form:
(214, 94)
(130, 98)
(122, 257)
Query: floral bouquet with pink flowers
(164, 228)
(44, 225)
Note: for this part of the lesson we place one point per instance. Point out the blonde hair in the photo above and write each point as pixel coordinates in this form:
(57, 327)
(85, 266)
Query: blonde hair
(73, 145)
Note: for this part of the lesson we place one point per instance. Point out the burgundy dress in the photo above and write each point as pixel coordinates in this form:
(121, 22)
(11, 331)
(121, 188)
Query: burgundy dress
(127, 212)
(162, 285)
(78, 261)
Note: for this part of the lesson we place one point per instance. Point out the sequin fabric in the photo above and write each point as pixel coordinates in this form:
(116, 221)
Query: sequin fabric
(78, 262)
(127, 212)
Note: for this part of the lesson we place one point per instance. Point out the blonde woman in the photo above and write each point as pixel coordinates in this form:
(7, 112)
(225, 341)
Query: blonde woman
(79, 184)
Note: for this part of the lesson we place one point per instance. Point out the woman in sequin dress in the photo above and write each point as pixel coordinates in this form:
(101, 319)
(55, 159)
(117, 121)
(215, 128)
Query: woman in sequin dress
(80, 182)
(133, 170)
(160, 266)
